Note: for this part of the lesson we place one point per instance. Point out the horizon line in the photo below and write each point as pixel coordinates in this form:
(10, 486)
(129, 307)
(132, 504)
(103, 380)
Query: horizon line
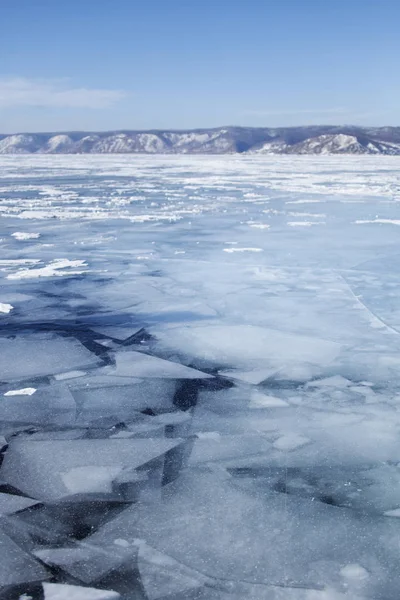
(183, 130)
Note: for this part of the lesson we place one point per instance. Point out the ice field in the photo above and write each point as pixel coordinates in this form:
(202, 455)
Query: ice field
(199, 377)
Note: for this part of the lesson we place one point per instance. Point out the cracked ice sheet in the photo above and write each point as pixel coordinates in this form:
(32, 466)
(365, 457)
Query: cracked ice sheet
(164, 577)
(376, 286)
(76, 466)
(316, 282)
(211, 523)
(41, 354)
(136, 364)
(250, 347)
(341, 427)
(313, 303)
(17, 566)
(52, 404)
(10, 504)
(123, 400)
(297, 300)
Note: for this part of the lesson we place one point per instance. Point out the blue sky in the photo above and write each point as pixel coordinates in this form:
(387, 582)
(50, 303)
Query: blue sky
(138, 64)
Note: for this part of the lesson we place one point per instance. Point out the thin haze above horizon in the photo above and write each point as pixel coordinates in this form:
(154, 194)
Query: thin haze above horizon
(175, 64)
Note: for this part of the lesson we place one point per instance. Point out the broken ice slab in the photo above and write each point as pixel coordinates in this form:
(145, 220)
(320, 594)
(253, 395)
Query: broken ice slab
(105, 343)
(221, 590)
(176, 459)
(126, 335)
(16, 566)
(254, 377)
(129, 484)
(248, 347)
(122, 401)
(33, 529)
(88, 563)
(101, 377)
(177, 424)
(241, 400)
(226, 402)
(290, 442)
(109, 566)
(37, 354)
(63, 591)
(140, 429)
(164, 577)
(21, 392)
(57, 523)
(61, 469)
(227, 447)
(368, 489)
(69, 375)
(102, 429)
(10, 503)
(187, 394)
(335, 382)
(116, 332)
(162, 583)
(227, 532)
(260, 401)
(48, 405)
(55, 434)
(137, 364)
(139, 337)
(208, 422)
(258, 592)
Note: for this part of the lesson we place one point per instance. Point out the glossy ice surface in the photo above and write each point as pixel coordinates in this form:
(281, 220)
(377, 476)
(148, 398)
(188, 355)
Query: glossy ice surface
(200, 377)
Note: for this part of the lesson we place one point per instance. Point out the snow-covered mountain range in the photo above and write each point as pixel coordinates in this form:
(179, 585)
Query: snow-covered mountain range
(222, 140)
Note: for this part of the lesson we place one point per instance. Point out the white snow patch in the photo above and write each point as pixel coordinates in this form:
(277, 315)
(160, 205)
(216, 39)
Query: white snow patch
(313, 201)
(19, 261)
(303, 223)
(354, 571)
(259, 225)
(22, 236)
(5, 308)
(231, 250)
(306, 214)
(63, 591)
(90, 479)
(54, 268)
(58, 143)
(383, 221)
(22, 392)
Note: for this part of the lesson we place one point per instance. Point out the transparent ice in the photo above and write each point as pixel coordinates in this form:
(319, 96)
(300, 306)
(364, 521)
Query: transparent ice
(199, 377)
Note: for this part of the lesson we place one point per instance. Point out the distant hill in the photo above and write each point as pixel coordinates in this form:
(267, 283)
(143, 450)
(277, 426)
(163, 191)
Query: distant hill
(222, 140)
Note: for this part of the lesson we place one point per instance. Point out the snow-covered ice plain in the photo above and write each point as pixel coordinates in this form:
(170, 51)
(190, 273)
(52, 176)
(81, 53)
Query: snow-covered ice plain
(200, 378)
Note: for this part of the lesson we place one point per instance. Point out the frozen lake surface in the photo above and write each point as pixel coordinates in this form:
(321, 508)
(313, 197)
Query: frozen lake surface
(199, 377)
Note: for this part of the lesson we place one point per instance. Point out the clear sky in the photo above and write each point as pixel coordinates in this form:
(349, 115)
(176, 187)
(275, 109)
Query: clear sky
(139, 64)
